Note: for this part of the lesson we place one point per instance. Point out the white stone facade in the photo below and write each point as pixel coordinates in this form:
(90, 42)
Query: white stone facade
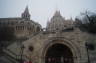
(73, 38)
(58, 22)
(23, 26)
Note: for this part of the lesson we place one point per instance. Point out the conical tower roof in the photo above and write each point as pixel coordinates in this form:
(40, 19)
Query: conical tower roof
(26, 10)
(26, 13)
(57, 13)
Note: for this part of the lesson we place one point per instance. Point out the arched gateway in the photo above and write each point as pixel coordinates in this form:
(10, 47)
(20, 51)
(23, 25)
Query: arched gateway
(59, 53)
(60, 50)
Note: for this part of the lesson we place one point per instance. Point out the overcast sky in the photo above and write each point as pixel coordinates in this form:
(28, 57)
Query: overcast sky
(42, 10)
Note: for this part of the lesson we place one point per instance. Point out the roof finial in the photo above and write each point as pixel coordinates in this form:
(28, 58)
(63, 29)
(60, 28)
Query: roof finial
(56, 8)
(57, 11)
(26, 9)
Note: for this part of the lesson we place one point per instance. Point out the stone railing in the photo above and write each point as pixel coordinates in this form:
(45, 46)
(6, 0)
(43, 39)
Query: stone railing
(16, 58)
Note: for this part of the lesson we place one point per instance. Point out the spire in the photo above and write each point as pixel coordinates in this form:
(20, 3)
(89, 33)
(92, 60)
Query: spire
(26, 14)
(26, 10)
(57, 13)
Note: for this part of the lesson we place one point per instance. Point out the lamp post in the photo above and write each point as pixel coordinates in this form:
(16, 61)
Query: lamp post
(86, 44)
(22, 49)
(89, 46)
(30, 49)
(19, 43)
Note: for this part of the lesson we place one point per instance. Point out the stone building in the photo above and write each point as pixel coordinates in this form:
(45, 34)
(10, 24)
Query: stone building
(60, 42)
(23, 26)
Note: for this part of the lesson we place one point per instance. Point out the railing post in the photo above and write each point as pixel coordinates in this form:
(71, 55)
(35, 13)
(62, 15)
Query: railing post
(22, 49)
(86, 44)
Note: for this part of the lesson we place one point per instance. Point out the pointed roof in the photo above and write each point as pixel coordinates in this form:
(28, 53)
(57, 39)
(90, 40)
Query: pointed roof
(26, 13)
(57, 13)
(26, 10)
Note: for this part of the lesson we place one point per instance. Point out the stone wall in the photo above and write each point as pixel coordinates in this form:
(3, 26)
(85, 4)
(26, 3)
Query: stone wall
(75, 40)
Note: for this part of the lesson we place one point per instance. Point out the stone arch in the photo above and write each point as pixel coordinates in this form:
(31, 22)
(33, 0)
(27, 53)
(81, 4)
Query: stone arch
(59, 53)
(73, 47)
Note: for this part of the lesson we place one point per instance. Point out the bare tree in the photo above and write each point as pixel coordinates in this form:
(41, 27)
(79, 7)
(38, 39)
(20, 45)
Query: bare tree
(88, 21)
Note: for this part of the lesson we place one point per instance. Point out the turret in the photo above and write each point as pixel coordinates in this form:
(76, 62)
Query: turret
(26, 14)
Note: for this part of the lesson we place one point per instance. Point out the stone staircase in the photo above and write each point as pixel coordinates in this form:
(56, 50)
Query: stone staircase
(9, 57)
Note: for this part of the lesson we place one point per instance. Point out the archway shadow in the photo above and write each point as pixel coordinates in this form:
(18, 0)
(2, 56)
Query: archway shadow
(59, 53)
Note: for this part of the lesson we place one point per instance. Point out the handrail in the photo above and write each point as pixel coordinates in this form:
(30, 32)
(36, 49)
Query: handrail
(9, 57)
(13, 55)
(12, 59)
(34, 34)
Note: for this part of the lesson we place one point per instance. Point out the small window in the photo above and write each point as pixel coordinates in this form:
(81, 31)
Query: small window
(22, 22)
(23, 27)
(38, 28)
(30, 48)
(65, 26)
(16, 27)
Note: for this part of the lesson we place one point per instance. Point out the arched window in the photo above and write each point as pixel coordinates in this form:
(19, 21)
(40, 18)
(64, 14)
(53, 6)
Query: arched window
(38, 29)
